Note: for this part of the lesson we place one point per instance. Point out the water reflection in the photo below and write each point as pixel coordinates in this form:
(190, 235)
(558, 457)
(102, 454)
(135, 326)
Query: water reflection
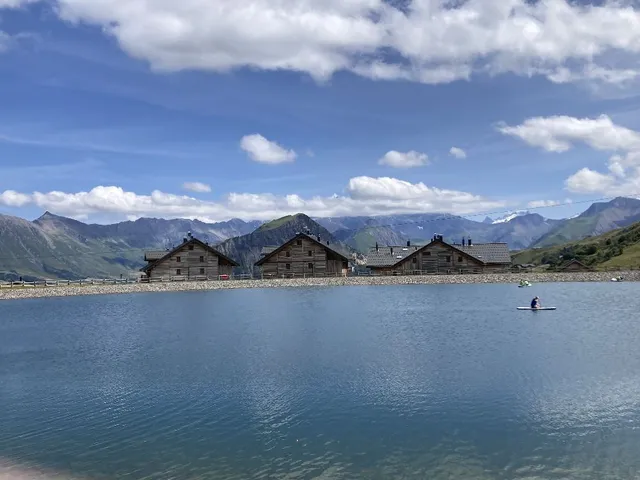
(400, 382)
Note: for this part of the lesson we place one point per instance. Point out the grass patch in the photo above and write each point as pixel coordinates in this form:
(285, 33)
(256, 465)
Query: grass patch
(616, 249)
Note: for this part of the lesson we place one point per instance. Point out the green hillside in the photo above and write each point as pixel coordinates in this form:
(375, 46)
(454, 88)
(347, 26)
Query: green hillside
(616, 249)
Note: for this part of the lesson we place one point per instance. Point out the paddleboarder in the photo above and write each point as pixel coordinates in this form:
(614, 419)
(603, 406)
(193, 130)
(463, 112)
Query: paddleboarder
(535, 303)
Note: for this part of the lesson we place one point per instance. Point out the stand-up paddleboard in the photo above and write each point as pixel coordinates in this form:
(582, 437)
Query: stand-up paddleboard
(539, 308)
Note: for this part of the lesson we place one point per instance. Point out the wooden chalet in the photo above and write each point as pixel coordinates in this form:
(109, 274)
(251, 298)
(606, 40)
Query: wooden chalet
(303, 255)
(574, 266)
(191, 259)
(439, 257)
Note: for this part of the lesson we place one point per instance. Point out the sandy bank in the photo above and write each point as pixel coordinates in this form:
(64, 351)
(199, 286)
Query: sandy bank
(63, 291)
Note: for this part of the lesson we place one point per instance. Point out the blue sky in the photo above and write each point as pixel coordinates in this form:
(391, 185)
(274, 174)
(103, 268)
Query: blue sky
(94, 109)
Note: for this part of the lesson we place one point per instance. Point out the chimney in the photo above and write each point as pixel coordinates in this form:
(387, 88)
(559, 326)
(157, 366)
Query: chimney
(463, 241)
(318, 237)
(408, 243)
(184, 240)
(376, 246)
(470, 241)
(391, 250)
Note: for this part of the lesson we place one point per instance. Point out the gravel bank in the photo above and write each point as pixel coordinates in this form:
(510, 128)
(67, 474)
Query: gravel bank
(64, 291)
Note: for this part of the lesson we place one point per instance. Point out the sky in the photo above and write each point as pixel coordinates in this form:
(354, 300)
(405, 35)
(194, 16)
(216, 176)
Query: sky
(117, 109)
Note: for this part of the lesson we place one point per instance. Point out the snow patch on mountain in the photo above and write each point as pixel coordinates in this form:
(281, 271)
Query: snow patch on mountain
(510, 216)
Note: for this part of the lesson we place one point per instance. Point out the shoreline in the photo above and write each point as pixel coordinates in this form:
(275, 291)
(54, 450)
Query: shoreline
(18, 293)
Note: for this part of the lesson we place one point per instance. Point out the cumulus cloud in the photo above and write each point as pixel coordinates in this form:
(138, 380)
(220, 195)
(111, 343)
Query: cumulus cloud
(560, 134)
(416, 40)
(457, 152)
(262, 150)
(12, 198)
(547, 203)
(404, 160)
(196, 187)
(363, 196)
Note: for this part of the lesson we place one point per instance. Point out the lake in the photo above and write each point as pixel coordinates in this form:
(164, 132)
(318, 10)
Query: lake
(428, 381)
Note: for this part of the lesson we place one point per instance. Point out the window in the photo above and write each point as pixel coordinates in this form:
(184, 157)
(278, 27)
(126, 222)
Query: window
(178, 272)
(428, 254)
(310, 266)
(310, 253)
(288, 254)
(460, 259)
(298, 242)
(201, 258)
(202, 271)
(191, 247)
(448, 258)
(414, 260)
(288, 266)
(178, 259)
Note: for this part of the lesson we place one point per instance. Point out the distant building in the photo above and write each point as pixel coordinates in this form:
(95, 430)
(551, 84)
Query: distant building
(439, 257)
(303, 255)
(574, 266)
(191, 259)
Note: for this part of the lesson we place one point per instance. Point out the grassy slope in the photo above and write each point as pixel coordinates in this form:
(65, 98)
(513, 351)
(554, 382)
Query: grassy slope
(568, 231)
(618, 248)
(278, 222)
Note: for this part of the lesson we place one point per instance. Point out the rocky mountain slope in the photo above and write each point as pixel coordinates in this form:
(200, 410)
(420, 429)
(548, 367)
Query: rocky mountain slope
(246, 249)
(599, 218)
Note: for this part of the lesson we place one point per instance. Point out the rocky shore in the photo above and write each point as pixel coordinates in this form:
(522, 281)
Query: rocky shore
(71, 290)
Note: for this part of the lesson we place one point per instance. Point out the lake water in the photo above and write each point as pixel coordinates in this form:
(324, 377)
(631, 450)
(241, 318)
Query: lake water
(434, 382)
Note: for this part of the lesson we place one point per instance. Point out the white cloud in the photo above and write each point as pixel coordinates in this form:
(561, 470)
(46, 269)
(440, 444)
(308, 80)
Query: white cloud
(264, 151)
(404, 160)
(364, 196)
(561, 133)
(196, 187)
(430, 41)
(457, 152)
(547, 203)
(12, 198)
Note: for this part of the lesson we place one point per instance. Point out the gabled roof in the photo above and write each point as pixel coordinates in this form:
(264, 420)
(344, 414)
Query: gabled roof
(486, 253)
(332, 248)
(192, 241)
(390, 255)
(574, 262)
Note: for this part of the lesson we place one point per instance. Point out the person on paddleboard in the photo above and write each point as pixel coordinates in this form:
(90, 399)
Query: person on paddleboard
(535, 303)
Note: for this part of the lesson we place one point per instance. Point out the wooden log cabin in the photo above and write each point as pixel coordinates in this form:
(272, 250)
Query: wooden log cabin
(303, 255)
(439, 257)
(192, 259)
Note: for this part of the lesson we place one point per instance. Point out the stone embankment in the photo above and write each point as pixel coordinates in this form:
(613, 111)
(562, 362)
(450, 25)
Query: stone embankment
(72, 290)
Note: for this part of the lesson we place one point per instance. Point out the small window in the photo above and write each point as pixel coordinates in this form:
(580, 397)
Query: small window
(288, 254)
(428, 254)
(414, 260)
(310, 266)
(310, 253)
(178, 272)
(288, 266)
(191, 247)
(202, 271)
(178, 259)
(448, 258)
(298, 242)
(460, 259)
(201, 258)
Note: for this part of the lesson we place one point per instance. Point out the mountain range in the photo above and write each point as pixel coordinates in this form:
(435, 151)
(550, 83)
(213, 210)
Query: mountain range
(58, 247)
